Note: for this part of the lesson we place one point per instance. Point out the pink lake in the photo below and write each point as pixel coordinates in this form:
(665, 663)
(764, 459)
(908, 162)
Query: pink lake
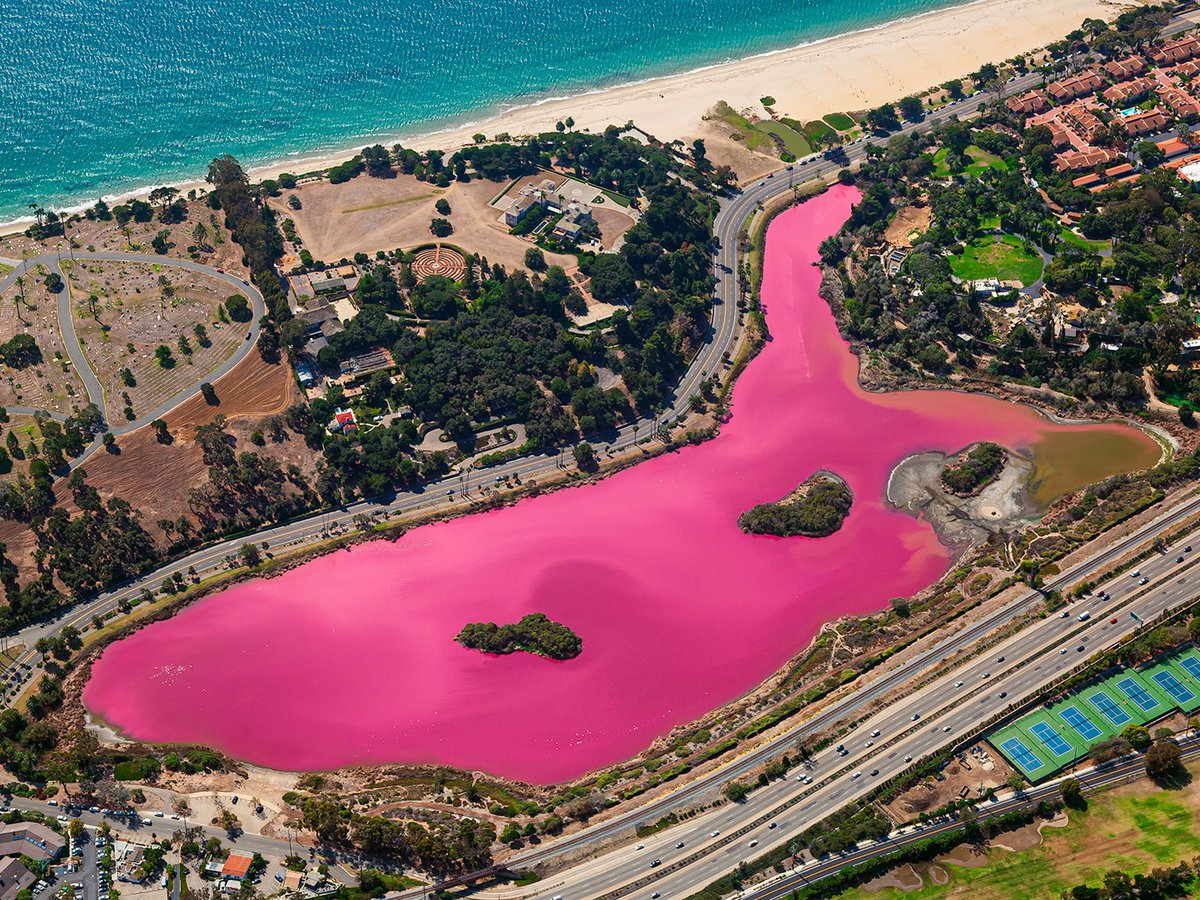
(350, 658)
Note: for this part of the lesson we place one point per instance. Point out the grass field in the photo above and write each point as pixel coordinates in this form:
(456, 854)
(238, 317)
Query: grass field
(840, 121)
(1135, 828)
(818, 131)
(761, 136)
(980, 162)
(793, 141)
(1006, 259)
(1072, 238)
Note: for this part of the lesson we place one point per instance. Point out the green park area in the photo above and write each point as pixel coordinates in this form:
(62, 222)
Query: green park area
(767, 136)
(1133, 828)
(840, 121)
(1071, 237)
(1003, 257)
(1053, 737)
(980, 161)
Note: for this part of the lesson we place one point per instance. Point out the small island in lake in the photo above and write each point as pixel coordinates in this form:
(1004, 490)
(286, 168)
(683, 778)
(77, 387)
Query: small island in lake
(816, 508)
(535, 633)
(968, 474)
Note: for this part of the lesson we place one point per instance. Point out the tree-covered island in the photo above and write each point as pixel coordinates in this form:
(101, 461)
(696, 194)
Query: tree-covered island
(816, 508)
(535, 633)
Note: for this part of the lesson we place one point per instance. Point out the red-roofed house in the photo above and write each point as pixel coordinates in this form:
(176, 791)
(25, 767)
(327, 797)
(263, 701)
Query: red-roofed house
(1086, 180)
(1084, 159)
(1172, 147)
(1128, 91)
(1120, 69)
(343, 421)
(1147, 122)
(1082, 121)
(236, 867)
(1177, 51)
(1119, 171)
(1028, 104)
(1082, 85)
(1180, 102)
(1189, 69)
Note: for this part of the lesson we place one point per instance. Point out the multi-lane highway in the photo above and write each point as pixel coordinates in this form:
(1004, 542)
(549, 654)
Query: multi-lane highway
(705, 856)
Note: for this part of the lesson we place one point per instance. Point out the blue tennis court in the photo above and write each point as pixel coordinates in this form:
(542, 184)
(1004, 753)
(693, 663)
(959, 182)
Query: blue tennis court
(1108, 708)
(1021, 754)
(1173, 686)
(1191, 665)
(1081, 723)
(1137, 693)
(1052, 739)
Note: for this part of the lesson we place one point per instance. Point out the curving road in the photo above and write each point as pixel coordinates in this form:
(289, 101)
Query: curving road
(616, 871)
(66, 325)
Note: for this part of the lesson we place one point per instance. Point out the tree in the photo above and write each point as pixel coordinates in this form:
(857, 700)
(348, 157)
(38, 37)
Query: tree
(250, 555)
(1072, 793)
(912, 108)
(535, 259)
(883, 118)
(612, 277)
(700, 156)
(1138, 737)
(1163, 758)
(210, 394)
(162, 353)
(163, 436)
(442, 206)
(238, 308)
(585, 457)
(736, 791)
(441, 228)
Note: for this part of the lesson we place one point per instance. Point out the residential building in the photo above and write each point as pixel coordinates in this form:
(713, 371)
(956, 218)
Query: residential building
(236, 867)
(1083, 159)
(343, 423)
(14, 877)
(1128, 91)
(1180, 102)
(1178, 51)
(1121, 69)
(1035, 101)
(1083, 121)
(1189, 69)
(543, 193)
(1082, 85)
(1147, 122)
(31, 839)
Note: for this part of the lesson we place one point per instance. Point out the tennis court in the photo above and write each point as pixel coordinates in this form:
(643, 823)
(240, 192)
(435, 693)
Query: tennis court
(1173, 686)
(1108, 708)
(1052, 740)
(1137, 694)
(1098, 712)
(1191, 665)
(1081, 723)
(1016, 750)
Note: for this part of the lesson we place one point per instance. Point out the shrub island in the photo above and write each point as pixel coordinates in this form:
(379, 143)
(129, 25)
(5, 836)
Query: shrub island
(816, 508)
(535, 633)
(968, 474)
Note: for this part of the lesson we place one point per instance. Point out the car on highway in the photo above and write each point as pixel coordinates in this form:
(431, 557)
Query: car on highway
(753, 843)
(640, 847)
(1187, 549)
(1143, 581)
(1084, 616)
(986, 675)
(1062, 649)
(654, 863)
(908, 759)
(916, 716)
(858, 774)
(714, 833)
(875, 733)
(958, 684)
(773, 825)
(1112, 621)
(1179, 559)
(874, 772)
(1080, 648)
(869, 744)
(679, 845)
(1136, 573)
(999, 659)
(655, 895)
(1064, 614)
(1003, 694)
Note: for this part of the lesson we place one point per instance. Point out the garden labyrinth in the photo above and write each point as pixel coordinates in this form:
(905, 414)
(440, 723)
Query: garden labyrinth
(439, 260)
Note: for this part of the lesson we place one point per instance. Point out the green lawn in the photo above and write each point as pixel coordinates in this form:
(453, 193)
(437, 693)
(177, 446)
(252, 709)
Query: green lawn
(751, 136)
(1006, 259)
(980, 162)
(1072, 238)
(1136, 827)
(793, 141)
(819, 131)
(840, 121)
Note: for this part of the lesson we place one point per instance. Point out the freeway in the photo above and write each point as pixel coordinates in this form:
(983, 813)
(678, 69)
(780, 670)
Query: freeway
(1092, 779)
(949, 708)
(610, 872)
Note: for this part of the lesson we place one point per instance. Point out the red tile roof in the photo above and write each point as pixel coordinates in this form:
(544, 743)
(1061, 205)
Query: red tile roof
(236, 866)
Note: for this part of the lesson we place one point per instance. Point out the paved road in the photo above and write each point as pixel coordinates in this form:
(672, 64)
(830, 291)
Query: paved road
(455, 490)
(66, 324)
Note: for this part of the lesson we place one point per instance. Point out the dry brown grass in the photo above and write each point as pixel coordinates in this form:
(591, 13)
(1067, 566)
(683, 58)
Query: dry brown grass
(122, 305)
(908, 224)
(368, 214)
(52, 384)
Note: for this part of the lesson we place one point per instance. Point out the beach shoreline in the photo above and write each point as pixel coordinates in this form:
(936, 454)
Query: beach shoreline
(848, 72)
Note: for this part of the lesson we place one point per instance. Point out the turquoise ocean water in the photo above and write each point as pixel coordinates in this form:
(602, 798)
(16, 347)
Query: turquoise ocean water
(103, 96)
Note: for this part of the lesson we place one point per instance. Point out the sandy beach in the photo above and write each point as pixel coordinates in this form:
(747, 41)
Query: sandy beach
(849, 72)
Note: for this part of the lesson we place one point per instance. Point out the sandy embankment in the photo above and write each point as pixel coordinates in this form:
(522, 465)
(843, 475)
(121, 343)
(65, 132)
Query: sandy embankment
(850, 72)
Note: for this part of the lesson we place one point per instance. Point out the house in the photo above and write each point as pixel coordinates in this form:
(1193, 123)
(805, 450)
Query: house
(365, 363)
(1122, 69)
(1086, 180)
(1128, 91)
(1172, 147)
(985, 287)
(1178, 51)
(1083, 159)
(1189, 69)
(236, 867)
(1189, 171)
(1119, 172)
(1083, 121)
(289, 880)
(1190, 348)
(334, 279)
(128, 863)
(31, 839)
(1082, 85)
(1035, 101)
(571, 223)
(1180, 102)
(543, 194)
(14, 877)
(1147, 122)
(343, 423)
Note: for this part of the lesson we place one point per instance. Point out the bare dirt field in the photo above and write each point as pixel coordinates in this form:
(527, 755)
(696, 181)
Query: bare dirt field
(970, 772)
(123, 311)
(908, 224)
(155, 478)
(213, 247)
(367, 214)
(51, 384)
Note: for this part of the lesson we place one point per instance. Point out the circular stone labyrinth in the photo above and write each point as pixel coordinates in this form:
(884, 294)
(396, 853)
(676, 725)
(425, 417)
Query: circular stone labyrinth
(439, 260)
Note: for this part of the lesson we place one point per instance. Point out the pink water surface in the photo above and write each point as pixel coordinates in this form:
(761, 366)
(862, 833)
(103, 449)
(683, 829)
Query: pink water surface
(351, 659)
